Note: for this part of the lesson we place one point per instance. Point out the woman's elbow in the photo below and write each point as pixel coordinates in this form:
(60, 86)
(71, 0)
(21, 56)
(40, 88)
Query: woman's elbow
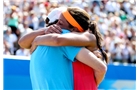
(92, 40)
(23, 44)
(20, 42)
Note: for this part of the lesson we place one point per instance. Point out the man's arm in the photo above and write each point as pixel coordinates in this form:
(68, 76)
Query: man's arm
(87, 57)
(99, 77)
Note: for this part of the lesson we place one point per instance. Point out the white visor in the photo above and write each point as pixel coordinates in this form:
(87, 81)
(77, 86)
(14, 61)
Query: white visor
(55, 14)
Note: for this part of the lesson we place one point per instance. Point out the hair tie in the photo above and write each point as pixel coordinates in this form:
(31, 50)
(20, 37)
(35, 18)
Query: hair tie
(101, 49)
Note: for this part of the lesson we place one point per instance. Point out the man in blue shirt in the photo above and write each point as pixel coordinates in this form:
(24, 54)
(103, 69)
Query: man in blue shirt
(51, 67)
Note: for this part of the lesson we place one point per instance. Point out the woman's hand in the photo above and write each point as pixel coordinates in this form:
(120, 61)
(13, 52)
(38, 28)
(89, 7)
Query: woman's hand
(53, 29)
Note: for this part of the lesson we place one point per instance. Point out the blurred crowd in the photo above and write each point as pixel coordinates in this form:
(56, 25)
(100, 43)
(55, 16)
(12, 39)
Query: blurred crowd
(116, 21)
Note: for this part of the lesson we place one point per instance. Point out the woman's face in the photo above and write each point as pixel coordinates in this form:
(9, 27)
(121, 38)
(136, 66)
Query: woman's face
(63, 23)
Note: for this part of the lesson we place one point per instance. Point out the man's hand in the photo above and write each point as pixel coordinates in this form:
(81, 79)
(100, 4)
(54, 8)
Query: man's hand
(53, 29)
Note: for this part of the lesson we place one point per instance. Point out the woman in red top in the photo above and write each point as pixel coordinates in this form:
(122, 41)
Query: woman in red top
(84, 76)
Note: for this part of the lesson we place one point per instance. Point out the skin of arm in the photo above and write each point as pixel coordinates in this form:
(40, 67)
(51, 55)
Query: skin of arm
(26, 41)
(87, 57)
(84, 39)
(69, 39)
(76, 39)
(99, 77)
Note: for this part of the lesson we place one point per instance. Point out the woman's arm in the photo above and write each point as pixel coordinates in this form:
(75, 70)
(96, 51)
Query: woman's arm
(69, 39)
(26, 41)
(99, 77)
(87, 57)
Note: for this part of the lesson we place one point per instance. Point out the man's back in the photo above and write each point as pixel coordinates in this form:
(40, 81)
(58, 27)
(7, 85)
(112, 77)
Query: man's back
(51, 67)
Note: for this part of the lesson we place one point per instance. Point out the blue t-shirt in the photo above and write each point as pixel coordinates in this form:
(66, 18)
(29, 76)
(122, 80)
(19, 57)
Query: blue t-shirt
(51, 67)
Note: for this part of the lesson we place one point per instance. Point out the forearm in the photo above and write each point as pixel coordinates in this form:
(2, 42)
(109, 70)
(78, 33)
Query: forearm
(69, 39)
(77, 39)
(87, 57)
(26, 41)
(48, 39)
(99, 67)
(99, 77)
(73, 39)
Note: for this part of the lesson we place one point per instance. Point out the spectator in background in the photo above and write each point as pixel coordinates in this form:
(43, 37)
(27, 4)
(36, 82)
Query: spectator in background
(123, 16)
(102, 26)
(115, 15)
(112, 6)
(16, 46)
(133, 34)
(10, 38)
(42, 20)
(117, 53)
(22, 52)
(6, 50)
(133, 53)
(26, 29)
(13, 21)
(107, 40)
(96, 8)
(33, 21)
(126, 52)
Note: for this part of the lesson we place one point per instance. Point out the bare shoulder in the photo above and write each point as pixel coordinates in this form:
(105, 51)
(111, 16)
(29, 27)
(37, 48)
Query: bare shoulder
(92, 39)
(91, 36)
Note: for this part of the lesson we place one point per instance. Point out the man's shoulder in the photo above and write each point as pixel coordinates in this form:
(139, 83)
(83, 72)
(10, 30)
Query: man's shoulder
(65, 31)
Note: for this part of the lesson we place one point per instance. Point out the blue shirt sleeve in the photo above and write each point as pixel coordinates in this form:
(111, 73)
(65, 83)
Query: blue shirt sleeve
(70, 52)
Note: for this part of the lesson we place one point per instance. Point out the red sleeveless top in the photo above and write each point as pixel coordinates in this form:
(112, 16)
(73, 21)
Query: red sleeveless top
(83, 77)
